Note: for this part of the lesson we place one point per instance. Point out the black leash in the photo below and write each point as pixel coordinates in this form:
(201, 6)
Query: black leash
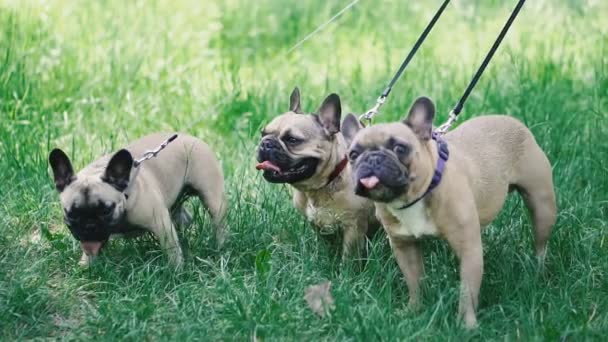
(454, 113)
(442, 147)
(372, 112)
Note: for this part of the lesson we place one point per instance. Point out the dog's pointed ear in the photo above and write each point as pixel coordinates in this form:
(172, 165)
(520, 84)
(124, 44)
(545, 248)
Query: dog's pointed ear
(294, 101)
(420, 117)
(329, 114)
(63, 173)
(118, 170)
(350, 127)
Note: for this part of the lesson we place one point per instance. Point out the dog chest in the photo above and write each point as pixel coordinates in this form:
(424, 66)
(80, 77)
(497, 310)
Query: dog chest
(413, 221)
(325, 218)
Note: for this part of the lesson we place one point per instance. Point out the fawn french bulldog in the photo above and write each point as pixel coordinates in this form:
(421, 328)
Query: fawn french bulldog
(449, 187)
(111, 196)
(308, 152)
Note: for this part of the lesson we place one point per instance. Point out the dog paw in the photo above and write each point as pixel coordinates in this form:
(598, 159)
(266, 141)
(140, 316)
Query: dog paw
(221, 235)
(470, 321)
(414, 305)
(86, 260)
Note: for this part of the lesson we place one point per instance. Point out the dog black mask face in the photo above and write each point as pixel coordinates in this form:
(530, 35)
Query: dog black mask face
(294, 146)
(385, 158)
(93, 204)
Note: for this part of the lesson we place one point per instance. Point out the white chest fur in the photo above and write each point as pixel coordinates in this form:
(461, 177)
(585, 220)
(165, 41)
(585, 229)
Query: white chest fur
(413, 222)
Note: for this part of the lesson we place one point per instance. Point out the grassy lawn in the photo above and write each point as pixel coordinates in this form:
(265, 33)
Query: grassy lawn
(88, 76)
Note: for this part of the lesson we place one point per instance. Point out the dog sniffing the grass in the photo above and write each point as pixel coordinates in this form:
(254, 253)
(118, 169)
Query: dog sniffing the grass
(308, 152)
(489, 156)
(111, 196)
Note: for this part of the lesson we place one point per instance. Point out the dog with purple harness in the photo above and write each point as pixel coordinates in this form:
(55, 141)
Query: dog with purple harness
(450, 187)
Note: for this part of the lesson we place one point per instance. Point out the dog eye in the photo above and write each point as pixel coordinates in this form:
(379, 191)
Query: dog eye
(108, 209)
(70, 215)
(353, 155)
(401, 149)
(288, 139)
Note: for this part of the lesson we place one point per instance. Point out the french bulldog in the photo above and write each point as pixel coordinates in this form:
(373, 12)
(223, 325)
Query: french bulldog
(114, 196)
(470, 172)
(308, 152)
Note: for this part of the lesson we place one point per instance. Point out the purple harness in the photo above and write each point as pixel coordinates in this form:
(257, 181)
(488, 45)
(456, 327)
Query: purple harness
(444, 154)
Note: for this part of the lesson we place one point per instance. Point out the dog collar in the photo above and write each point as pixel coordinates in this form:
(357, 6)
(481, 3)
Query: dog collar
(444, 154)
(338, 170)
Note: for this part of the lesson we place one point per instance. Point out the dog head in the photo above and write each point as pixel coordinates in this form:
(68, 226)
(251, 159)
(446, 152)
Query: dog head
(391, 161)
(302, 149)
(94, 203)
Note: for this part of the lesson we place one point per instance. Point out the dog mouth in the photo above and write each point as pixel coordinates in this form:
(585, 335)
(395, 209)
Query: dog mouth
(380, 187)
(372, 187)
(91, 231)
(370, 182)
(303, 169)
(91, 248)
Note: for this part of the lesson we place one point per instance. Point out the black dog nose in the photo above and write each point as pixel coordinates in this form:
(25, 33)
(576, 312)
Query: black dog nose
(269, 143)
(376, 159)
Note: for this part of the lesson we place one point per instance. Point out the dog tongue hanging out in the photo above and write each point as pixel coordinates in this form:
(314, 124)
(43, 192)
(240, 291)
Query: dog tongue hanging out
(268, 166)
(308, 152)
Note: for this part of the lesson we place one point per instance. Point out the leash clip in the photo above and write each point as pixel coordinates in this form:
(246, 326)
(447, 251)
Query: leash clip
(149, 154)
(369, 115)
(445, 127)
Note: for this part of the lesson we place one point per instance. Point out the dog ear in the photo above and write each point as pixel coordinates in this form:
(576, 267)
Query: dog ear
(63, 173)
(294, 101)
(350, 127)
(329, 114)
(420, 117)
(118, 170)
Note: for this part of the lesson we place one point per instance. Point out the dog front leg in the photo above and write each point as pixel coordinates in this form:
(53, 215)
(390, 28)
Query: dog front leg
(409, 258)
(166, 233)
(354, 239)
(467, 245)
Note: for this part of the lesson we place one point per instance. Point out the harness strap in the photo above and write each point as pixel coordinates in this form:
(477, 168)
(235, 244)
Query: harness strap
(444, 154)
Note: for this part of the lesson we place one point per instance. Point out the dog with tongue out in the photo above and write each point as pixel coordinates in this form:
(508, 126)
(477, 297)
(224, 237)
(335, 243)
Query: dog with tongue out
(112, 196)
(308, 152)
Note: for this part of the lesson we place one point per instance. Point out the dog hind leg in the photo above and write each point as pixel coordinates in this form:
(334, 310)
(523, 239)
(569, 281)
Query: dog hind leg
(536, 187)
(181, 216)
(214, 198)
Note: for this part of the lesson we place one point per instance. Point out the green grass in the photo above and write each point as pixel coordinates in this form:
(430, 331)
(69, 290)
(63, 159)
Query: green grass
(88, 76)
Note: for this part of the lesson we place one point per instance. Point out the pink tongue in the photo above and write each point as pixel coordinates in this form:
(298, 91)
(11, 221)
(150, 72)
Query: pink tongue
(267, 165)
(91, 247)
(369, 182)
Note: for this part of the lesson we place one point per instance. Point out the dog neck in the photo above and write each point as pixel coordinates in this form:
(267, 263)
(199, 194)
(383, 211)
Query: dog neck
(330, 177)
(338, 170)
(441, 154)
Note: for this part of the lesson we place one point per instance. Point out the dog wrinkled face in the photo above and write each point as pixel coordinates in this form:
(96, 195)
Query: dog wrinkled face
(93, 205)
(385, 158)
(294, 146)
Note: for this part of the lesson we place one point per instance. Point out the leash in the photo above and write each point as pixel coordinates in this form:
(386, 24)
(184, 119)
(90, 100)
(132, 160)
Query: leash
(369, 115)
(282, 56)
(153, 153)
(442, 146)
(456, 111)
(149, 154)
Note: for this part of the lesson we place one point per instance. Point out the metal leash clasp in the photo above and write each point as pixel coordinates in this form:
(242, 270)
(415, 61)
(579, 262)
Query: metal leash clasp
(446, 125)
(369, 115)
(149, 154)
